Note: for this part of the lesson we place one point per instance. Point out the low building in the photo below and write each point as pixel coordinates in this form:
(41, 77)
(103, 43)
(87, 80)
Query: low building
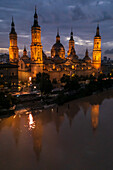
(8, 76)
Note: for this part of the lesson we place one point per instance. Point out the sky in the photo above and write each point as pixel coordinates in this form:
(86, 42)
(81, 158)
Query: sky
(82, 15)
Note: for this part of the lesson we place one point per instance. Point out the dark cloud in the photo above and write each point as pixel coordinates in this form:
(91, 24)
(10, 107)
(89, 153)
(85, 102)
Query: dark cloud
(77, 13)
(82, 15)
(108, 51)
(104, 17)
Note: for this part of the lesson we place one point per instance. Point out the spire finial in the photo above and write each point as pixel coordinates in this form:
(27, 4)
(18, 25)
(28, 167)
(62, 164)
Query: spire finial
(97, 31)
(12, 24)
(12, 27)
(24, 51)
(71, 29)
(35, 9)
(58, 31)
(24, 47)
(71, 38)
(35, 18)
(87, 52)
(58, 36)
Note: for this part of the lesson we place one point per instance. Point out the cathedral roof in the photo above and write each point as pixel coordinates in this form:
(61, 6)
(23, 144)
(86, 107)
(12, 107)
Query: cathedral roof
(26, 59)
(48, 61)
(87, 58)
(73, 55)
(57, 59)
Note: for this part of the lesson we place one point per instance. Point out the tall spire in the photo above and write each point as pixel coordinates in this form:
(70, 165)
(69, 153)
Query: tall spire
(71, 37)
(86, 52)
(58, 36)
(12, 27)
(35, 18)
(24, 51)
(12, 24)
(97, 31)
(57, 32)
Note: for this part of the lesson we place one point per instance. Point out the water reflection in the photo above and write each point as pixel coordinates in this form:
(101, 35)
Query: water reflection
(13, 123)
(31, 122)
(64, 128)
(94, 116)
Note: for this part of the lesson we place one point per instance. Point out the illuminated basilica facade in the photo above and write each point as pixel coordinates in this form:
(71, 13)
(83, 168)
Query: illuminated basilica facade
(57, 64)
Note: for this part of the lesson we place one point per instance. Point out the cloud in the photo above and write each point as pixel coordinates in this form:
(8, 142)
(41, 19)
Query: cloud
(24, 36)
(108, 44)
(108, 51)
(81, 42)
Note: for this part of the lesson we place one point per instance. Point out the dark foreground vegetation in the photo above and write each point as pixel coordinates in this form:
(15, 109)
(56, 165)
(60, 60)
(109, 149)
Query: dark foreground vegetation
(74, 87)
(74, 90)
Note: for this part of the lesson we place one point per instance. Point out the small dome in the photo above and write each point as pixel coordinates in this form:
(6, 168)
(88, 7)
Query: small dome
(58, 46)
(87, 58)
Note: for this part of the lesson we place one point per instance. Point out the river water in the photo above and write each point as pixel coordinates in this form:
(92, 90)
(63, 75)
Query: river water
(77, 135)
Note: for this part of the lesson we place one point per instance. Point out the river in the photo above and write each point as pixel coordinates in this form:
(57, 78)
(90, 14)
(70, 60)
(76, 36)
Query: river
(77, 135)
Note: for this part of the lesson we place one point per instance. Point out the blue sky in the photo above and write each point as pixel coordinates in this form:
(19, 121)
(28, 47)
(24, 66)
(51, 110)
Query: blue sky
(82, 15)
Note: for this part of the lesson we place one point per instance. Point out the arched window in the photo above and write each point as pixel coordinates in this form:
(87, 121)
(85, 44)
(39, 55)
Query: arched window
(21, 65)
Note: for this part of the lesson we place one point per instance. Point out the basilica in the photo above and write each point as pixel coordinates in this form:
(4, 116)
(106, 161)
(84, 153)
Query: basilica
(56, 65)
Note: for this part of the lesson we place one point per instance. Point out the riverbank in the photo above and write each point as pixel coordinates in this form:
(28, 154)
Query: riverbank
(93, 99)
(64, 98)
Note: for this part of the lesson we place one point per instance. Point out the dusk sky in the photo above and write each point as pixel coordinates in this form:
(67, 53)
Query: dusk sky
(82, 15)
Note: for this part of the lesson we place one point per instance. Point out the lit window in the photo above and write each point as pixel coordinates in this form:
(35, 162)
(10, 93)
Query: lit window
(1, 75)
(73, 66)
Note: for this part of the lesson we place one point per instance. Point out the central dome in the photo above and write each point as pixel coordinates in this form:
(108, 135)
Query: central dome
(58, 48)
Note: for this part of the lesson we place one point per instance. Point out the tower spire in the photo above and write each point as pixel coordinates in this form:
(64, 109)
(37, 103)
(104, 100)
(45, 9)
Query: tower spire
(58, 31)
(35, 18)
(35, 8)
(97, 31)
(71, 37)
(86, 52)
(24, 51)
(12, 27)
(58, 36)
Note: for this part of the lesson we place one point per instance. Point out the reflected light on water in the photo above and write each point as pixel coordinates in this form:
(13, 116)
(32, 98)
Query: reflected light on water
(31, 122)
(14, 116)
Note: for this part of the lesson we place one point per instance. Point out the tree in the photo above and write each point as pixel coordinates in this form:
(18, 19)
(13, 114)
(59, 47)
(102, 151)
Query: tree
(65, 79)
(44, 83)
(70, 83)
(54, 81)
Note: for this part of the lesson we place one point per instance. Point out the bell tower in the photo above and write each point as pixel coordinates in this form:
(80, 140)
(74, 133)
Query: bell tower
(36, 48)
(13, 49)
(97, 50)
(71, 43)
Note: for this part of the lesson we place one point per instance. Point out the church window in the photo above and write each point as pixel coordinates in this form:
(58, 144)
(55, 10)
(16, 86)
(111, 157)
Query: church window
(21, 66)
